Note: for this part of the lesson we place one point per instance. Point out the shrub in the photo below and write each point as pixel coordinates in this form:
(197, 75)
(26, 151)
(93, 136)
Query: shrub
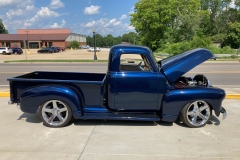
(227, 50)
(214, 49)
(177, 48)
(74, 44)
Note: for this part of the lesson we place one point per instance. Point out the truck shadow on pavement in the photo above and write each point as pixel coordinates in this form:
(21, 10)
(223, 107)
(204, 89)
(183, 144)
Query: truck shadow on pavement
(31, 118)
(34, 118)
(120, 123)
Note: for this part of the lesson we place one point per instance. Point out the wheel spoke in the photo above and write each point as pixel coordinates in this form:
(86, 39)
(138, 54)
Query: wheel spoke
(194, 119)
(47, 110)
(51, 118)
(203, 108)
(202, 116)
(54, 104)
(60, 117)
(62, 110)
(195, 105)
(190, 113)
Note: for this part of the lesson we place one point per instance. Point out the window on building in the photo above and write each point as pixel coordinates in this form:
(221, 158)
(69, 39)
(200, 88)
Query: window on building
(22, 45)
(2, 44)
(50, 44)
(15, 44)
(8, 44)
(33, 45)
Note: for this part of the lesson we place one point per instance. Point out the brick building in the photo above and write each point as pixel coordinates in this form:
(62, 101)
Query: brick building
(37, 38)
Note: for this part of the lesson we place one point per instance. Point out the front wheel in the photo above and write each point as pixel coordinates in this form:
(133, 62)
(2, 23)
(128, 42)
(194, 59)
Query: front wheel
(55, 113)
(196, 114)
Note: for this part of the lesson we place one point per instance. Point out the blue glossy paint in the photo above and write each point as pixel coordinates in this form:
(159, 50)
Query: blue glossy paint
(176, 66)
(137, 91)
(84, 83)
(118, 50)
(32, 98)
(175, 100)
(101, 113)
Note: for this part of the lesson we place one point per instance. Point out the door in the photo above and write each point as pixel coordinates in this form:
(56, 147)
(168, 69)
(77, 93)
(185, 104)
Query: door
(136, 85)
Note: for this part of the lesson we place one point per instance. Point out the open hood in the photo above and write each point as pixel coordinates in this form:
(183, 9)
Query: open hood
(176, 66)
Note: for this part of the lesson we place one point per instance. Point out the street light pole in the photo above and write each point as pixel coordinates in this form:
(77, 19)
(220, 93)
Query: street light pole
(94, 37)
(27, 42)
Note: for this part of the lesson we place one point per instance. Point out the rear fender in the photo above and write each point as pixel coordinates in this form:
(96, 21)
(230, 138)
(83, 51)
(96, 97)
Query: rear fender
(32, 98)
(175, 100)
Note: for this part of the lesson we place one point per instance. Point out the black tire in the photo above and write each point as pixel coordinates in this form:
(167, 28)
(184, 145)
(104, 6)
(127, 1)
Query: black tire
(55, 113)
(192, 113)
(3, 52)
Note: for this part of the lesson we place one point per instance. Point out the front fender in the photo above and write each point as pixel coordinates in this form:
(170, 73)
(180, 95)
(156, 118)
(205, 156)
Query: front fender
(175, 100)
(32, 98)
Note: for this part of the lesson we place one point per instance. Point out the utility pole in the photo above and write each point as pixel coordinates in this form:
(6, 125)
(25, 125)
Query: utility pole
(28, 42)
(94, 37)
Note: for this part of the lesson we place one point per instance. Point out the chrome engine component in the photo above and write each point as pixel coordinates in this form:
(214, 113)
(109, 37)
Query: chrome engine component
(198, 80)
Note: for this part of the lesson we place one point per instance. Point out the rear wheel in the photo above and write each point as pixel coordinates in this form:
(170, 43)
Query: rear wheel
(196, 114)
(55, 113)
(3, 52)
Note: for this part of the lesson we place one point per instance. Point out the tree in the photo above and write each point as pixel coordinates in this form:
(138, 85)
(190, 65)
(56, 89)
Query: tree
(216, 8)
(130, 37)
(74, 44)
(233, 35)
(2, 28)
(158, 20)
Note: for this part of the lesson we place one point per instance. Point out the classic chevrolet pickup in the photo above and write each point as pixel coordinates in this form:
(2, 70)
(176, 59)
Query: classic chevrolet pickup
(135, 87)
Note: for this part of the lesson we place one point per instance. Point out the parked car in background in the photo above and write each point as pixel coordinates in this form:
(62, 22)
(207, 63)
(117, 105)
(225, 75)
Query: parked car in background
(17, 50)
(84, 46)
(62, 48)
(46, 50)
(58, 48)
(55, 49)
(5, 50)
(91, 49)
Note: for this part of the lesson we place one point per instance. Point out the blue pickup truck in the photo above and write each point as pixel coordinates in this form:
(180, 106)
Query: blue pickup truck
(135, 87)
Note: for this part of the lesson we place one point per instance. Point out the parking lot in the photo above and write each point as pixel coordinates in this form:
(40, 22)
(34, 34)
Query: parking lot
(23, 136)
(68, 54)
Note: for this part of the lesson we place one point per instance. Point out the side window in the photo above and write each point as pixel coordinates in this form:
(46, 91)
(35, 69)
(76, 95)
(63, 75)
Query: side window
(134, 62)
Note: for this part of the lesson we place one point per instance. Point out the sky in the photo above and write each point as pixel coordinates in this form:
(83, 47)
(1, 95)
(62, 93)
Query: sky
(107, 16)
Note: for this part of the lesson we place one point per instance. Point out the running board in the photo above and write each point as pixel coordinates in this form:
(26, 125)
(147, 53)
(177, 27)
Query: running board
(106, 115)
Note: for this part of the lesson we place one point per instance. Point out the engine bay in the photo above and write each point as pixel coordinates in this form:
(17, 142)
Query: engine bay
(198, 80)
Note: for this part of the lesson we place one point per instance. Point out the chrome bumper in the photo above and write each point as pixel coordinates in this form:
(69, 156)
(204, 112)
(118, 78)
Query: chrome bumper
(224, 113)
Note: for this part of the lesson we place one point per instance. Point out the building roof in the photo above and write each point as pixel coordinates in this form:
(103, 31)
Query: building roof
(33, 37)
(44, 31)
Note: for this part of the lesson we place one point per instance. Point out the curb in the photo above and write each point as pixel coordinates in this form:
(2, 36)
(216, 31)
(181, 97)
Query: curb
(228, 96)
(4, 94)
(232, 96)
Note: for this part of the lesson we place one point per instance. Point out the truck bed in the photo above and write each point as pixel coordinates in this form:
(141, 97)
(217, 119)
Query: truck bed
(91, 85)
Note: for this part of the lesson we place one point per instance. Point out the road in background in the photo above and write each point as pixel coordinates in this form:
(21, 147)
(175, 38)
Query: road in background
(225, 74)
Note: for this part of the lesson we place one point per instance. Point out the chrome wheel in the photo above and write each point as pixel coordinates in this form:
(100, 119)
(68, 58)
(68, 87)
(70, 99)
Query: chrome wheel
(55, 113)
(196, 114)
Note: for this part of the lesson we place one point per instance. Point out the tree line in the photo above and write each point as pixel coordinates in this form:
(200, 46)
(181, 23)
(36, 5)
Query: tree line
(185, 24)
(110, 40)
(3, 30)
